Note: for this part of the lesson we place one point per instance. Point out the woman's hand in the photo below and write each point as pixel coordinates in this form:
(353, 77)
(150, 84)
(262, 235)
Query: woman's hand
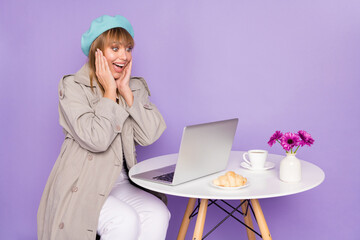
(123, 85)
(105, 76)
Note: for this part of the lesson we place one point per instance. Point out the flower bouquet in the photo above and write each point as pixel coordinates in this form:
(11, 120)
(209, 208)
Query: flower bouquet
(291, 140)
(290, 166)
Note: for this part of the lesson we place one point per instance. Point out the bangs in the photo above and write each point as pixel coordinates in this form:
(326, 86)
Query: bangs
(119, 35)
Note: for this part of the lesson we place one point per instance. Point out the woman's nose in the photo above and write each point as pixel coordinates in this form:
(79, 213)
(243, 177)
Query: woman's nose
(122, 54)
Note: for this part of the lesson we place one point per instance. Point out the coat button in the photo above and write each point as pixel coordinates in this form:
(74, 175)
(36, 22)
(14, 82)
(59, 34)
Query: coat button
(148, 106)
(61, 93)
(90, 157)
(61, 225)
(74, 189)
(118, 128)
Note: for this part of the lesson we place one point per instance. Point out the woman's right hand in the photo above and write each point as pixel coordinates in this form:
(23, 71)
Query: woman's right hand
(105, 76)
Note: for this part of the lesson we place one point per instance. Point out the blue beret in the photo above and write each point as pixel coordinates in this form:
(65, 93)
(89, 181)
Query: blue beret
(100, 25)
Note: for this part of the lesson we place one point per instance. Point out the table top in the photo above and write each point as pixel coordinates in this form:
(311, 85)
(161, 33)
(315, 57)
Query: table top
(262, 184)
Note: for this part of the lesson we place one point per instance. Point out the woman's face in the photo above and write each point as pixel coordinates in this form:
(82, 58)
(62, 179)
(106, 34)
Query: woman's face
(118, 57)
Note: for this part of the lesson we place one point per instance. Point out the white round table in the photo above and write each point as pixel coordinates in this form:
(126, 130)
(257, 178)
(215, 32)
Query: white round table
(262, 184)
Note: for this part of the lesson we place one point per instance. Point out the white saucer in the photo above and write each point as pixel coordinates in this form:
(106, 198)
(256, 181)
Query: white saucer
(268, 165)
(230, 188)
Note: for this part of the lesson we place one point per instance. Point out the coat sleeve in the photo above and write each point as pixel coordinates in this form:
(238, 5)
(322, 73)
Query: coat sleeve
(148, 123)
(93, 128)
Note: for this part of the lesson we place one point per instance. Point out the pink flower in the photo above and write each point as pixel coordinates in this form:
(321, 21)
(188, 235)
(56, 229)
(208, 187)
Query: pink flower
(289, 140)
(306, 138)
(276, 136)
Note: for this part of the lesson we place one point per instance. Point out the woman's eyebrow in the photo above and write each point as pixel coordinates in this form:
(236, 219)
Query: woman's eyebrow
(118, 43)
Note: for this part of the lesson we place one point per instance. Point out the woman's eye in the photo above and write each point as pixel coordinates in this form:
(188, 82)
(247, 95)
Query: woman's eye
(129, 49)
(115, 49)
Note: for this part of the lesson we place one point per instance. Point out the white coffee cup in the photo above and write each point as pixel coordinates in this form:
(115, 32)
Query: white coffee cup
(257, 158)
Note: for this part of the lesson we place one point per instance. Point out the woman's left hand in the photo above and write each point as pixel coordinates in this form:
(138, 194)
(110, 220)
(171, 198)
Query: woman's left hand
(123, 87)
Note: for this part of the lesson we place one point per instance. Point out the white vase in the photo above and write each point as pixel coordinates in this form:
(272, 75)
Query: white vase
(290, 168)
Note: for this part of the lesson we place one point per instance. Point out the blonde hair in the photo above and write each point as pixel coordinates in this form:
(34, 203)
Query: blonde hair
(104, 40)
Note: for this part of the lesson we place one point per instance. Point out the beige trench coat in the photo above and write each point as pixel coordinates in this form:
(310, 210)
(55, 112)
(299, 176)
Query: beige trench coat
(97, 131)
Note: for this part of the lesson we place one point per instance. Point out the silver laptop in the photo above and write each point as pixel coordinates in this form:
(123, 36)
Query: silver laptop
(204, 149)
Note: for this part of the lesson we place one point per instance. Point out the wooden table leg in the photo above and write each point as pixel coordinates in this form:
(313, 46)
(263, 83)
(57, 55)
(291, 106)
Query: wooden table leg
(265, 233)
(200, 220)
(186, 219)
(248, 221)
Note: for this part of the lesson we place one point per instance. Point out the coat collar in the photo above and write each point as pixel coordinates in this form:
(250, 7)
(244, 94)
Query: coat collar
(82, 76)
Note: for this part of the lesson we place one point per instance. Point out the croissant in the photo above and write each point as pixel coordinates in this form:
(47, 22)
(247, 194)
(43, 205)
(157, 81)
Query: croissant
(230, 179)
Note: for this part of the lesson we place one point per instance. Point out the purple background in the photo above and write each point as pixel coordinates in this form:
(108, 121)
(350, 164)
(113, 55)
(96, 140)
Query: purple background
(277, 65)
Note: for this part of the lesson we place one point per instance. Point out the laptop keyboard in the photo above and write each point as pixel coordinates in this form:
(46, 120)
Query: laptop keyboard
(168, 177)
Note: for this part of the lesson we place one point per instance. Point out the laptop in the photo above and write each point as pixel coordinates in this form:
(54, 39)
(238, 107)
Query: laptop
(204, 150)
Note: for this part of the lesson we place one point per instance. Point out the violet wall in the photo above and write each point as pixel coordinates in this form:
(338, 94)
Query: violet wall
(277, 65)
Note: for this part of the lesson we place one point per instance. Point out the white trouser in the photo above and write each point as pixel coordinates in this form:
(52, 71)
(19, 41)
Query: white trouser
(130, 213)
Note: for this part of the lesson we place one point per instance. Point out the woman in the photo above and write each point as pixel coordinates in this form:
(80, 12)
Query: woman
(103, 112)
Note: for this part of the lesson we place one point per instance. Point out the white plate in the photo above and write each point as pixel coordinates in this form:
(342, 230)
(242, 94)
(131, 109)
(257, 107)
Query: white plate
(268, 165)
(230, 188)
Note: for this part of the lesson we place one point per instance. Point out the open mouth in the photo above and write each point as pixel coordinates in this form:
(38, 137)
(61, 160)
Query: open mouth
(119, 65)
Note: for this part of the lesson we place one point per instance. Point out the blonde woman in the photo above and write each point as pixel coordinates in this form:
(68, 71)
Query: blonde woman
(104, 112)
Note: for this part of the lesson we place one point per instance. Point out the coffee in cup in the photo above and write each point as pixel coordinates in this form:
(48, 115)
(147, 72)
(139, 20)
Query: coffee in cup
(257, 158)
